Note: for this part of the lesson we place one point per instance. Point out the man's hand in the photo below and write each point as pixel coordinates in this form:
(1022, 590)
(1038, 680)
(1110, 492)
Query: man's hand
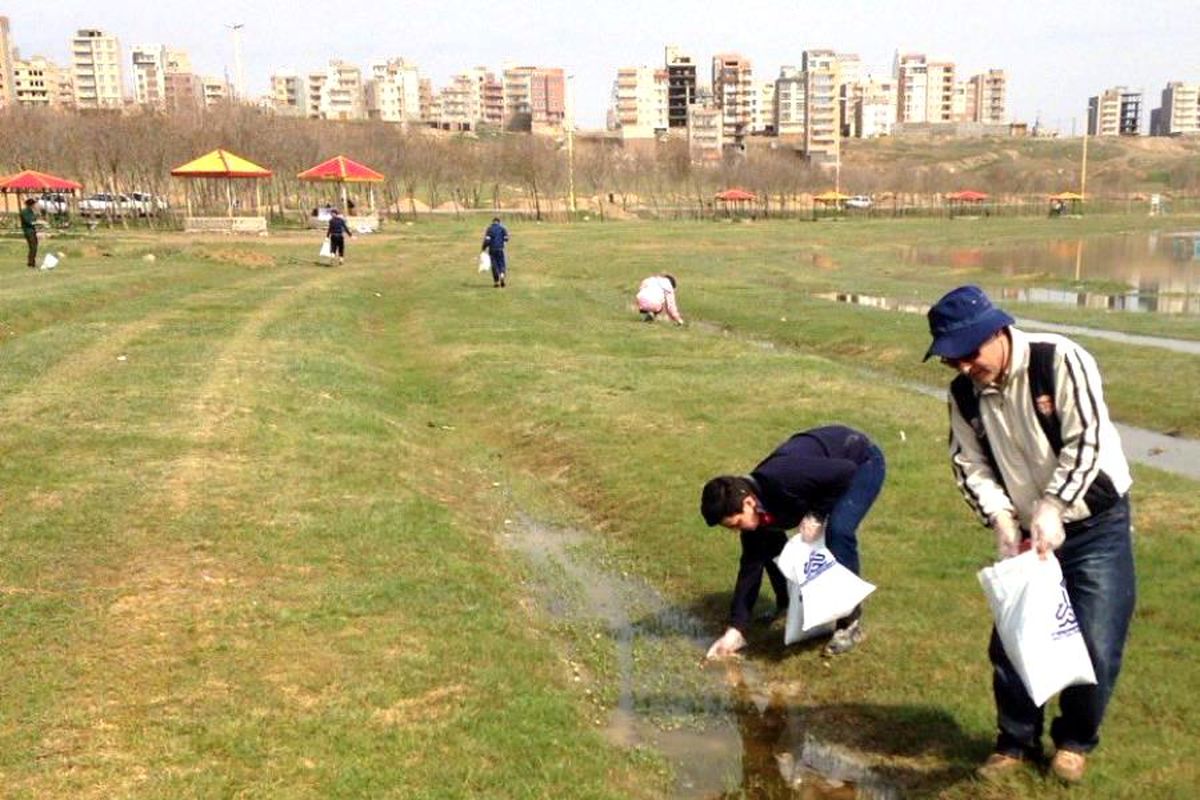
(727, 645)
(1008, 535)
(1046, 528)
(811, 529)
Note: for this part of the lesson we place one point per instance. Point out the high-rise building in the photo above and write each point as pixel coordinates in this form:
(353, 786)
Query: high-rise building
(96, 70)
(681, 86)
(925, 89)
(875, 107)
(987, 94)
(705, 133)
(184, 92)
(1179, 114)
(335, 92)
(733, 90)
(822, 113)
(215, 91)
(288, 93)
(393, 93)
(640, 98)
(790, 102)
(534, 97)
(149, 75)
(39, 83)
(1115, 112)
(7, 78)
(763, 110)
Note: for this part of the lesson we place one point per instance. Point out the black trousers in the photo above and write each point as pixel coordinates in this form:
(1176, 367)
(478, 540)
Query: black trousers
(32, 240)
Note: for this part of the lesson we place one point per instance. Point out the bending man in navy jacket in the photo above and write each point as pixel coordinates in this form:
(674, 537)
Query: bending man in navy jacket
(820, 480)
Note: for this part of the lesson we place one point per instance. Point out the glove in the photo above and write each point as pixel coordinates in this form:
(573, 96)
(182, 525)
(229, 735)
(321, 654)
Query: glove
(1008, 535)
(1046, 527)
(727, 645)
(811, 529)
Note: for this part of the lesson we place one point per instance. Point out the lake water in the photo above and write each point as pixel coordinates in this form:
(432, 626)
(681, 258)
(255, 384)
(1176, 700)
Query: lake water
(1161, 270)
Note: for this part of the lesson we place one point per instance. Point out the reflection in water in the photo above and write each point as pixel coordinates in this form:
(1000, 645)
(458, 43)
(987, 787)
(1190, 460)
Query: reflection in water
(1161, 270)
(721, 729)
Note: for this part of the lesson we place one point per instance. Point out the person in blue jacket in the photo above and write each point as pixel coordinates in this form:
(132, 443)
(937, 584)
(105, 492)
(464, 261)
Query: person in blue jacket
(494, 239)
(822, 480)
(337, 232)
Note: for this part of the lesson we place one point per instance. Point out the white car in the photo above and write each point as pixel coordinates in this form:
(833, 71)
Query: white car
(147, 204)
(104, 204)
(52, 204)
(860, 201)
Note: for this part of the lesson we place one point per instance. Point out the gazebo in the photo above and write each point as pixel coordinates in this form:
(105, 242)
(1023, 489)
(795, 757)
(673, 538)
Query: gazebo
(735, 196)
(967, 200)
(1065, 203)
(31, 181)
(342, 170)
(829, 200)
(223, 165)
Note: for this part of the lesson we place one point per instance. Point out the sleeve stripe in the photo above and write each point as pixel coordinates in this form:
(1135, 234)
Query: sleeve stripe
(1089, 440)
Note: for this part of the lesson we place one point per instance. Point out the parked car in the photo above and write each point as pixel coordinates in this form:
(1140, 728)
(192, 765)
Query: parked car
(104, 204)
(860, 201)
(147, 204)
(51, 204)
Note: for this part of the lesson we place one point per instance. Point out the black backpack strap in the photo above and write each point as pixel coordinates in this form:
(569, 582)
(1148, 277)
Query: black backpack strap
(963, 392)
(1041, 392)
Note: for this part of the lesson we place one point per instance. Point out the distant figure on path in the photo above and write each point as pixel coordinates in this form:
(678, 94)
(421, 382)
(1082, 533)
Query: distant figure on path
(29, 228)
(494, 239)
(1037, 458)
(822, 480)
(337, 232)
(656, 295)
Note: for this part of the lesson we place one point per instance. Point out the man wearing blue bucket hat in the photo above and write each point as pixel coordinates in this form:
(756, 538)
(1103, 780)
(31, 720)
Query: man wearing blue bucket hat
(1038, 459)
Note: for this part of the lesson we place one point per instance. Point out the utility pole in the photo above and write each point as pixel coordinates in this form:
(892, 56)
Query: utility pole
(571, 145)
(236, 30)
(1083, 170)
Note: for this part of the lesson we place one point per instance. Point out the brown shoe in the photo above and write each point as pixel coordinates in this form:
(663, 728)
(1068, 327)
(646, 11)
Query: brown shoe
(997, 765)
(1068, 766)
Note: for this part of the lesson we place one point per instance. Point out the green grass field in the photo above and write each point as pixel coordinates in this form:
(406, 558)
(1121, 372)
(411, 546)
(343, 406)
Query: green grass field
(251, 509)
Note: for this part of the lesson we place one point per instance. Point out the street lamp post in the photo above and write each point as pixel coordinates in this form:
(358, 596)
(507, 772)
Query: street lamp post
(239, 76)
(571, 144)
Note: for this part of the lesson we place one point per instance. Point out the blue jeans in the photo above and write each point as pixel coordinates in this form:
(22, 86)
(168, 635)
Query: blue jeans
(1097, 565)
(841, 526)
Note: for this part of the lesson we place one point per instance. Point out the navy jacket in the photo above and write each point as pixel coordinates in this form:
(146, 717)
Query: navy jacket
(806, 474)
(338, 227)
(495, 237)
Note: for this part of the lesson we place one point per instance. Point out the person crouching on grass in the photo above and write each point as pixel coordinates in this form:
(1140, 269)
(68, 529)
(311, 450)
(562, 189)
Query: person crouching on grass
(337, 232)
(822, 480)
(656, 295)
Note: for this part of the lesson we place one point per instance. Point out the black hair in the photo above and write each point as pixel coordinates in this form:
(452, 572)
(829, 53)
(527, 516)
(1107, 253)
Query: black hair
(29, 201)
(495, 219)
(723, 496)
(671, 278)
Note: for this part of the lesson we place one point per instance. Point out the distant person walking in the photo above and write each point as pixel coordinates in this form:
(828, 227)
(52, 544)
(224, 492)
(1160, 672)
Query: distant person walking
(337, 232)
(656, 295)
(29, 228)
(494, 239)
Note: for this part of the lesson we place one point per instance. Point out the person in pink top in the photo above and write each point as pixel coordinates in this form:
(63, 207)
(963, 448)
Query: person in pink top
(656, 295)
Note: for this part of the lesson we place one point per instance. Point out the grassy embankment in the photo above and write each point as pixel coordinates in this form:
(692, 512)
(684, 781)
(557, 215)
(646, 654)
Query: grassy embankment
(250, 506)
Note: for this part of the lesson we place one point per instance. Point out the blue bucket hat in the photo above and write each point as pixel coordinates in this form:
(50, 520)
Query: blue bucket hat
(962, 321)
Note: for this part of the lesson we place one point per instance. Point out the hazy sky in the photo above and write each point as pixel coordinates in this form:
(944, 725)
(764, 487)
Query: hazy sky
(1056, 53)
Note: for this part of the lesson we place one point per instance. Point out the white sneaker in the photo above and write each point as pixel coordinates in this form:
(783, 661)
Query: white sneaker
(844, 639)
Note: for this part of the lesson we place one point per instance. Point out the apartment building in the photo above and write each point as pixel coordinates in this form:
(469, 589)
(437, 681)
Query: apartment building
(705, 133)
(8, 94)
(640, 102)
(989, 97)
(925, 89)
(790, 102)
(215, 91)
(461, 107)
(681, 86)
(534, 98)
(183, 92)
(39, 83)
(149, 75)
(1179, 114)
(733, 91)
(288, 93)
(762, 112)
(393, 93)
(335, 92)
(822, 112)
(874, 107)
(1115, 112)
(96, 73)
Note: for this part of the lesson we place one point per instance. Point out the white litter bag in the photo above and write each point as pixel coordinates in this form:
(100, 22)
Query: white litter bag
(485, 261)
(50, 261)
(1036, 624)
(326, 249)
(820, 590)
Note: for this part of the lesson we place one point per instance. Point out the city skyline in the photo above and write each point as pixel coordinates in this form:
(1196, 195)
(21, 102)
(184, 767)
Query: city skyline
(1056, 57)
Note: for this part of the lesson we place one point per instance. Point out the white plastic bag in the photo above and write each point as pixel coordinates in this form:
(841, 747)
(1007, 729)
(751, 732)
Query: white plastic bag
(326, 249)
(485, 261)
(50, 261)
(820, 590)
(1036, 624)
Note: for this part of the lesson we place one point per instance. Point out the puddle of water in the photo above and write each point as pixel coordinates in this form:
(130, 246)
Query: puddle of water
(721, 729)
(1161, 270)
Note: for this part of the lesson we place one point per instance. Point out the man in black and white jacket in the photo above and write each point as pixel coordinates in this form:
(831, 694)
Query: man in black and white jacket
(1037, 457)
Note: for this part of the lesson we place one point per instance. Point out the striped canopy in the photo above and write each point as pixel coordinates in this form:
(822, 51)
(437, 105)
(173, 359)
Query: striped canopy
(31, 180)
(220, 164)
(340, 168)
